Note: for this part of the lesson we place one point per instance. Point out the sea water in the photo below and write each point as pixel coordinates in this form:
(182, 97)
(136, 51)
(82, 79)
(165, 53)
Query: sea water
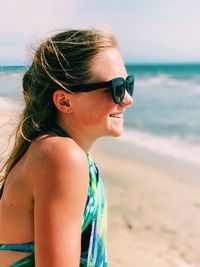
(165, 116)
(11, 87)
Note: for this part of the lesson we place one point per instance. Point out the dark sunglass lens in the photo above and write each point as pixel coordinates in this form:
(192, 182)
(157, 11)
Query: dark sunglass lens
(119, 92)
(130, 88)
(130, 85)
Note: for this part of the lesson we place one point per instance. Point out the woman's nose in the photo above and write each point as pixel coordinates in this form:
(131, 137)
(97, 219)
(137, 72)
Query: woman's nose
(128, 100)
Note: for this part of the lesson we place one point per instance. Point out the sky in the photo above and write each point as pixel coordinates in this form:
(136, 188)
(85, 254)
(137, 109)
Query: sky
(156, 31)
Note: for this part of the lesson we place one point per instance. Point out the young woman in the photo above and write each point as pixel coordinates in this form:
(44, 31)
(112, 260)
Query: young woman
(53, 206)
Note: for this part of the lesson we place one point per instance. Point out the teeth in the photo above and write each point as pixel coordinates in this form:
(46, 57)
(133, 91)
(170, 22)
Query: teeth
(119, 116)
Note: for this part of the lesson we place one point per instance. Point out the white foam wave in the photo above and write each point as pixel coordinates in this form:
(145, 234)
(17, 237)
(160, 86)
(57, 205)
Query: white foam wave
(11, 74)
(8, 104)
(168, 81)
(172, 146)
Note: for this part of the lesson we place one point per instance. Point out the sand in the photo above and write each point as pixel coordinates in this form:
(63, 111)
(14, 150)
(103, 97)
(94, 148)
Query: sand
(154, 212)
(8, 121)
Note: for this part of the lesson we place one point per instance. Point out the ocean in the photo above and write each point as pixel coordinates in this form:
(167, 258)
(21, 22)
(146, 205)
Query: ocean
(164, 118)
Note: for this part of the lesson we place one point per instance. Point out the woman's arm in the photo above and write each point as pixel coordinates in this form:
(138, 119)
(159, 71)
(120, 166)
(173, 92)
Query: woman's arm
(60, 192)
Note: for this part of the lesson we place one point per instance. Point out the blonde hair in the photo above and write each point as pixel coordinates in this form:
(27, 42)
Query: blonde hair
(60, 61)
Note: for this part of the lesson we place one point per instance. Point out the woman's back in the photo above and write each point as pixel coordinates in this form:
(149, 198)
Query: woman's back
(16, 205)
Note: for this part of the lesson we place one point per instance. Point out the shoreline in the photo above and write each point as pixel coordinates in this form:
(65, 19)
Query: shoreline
(180, 168)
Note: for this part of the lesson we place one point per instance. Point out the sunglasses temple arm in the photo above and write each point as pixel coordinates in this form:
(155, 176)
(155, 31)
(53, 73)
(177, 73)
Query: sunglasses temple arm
(90, 87)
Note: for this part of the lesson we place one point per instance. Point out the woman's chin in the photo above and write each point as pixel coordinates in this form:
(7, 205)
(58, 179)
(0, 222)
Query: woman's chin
(117, 132)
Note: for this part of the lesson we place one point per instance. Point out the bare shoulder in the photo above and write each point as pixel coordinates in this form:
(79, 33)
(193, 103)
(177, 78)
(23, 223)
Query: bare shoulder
(57, 160)
(56, 148)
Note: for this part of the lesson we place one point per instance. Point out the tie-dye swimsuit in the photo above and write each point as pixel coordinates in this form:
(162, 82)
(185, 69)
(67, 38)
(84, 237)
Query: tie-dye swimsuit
(93, 238)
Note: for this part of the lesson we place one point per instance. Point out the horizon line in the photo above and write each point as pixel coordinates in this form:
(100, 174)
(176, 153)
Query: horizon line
(164, 63)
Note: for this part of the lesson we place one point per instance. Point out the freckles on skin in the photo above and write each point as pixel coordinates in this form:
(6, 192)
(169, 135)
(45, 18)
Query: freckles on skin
(95, 114)
(96, 105)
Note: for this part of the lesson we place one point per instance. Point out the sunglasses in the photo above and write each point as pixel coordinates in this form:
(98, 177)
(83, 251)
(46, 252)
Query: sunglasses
(118, 87)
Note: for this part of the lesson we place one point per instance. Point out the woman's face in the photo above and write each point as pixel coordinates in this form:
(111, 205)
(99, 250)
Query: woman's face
(95, 113)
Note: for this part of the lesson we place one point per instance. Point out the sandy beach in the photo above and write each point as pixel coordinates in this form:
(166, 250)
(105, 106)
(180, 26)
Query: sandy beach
(154, 212)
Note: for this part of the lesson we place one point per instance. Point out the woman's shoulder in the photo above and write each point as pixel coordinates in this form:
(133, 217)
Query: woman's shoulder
(57, 159)
(56, 149)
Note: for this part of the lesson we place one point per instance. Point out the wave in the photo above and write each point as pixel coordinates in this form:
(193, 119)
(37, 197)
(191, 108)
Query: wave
(16, 71)
(164, 80)
(179, 149)
(8, 104)
(11, 74)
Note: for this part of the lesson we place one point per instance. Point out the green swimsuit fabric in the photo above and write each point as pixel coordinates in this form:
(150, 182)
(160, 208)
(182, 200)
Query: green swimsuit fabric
(94, 219)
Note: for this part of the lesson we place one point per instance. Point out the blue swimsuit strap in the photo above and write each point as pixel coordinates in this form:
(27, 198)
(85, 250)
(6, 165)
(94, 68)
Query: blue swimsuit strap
(23, 247)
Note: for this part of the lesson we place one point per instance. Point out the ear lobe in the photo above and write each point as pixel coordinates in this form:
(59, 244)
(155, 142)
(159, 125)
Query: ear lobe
(62, 101)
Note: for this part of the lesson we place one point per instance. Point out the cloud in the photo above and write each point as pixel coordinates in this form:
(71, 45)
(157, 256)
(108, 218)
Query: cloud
(24, 22)
(21, 17)
(146, 30)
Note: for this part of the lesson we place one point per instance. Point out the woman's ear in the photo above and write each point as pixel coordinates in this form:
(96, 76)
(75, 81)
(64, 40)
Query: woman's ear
(62, 101)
